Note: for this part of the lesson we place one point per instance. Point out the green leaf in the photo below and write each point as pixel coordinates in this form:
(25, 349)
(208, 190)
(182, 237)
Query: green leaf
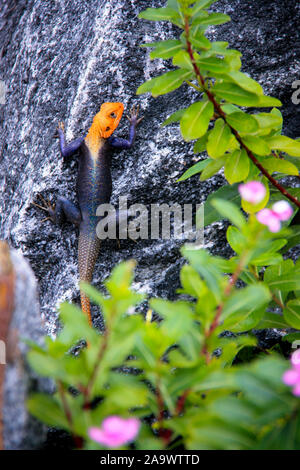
(244, 321)
(242, 122)
(267, 259)
(287, 282)
(46, 409)
(245, 82)
(272, 320)
(200, 145)
(218, 139)
(190, 281)
(237, 166)
(195, 169)
(200, 5)
(175, 117)
(212, 19)
(182, 59)
(173, 4)
(133, 393)
(199, 41)
(45, 365)
(160, 14)
(276, 112)
(279, 165)
(273, 272)
(293, 238)
(231, 108)
(267, 101)
(178, 317)
(284, 144)
(245, 300)
(213, 65)
(257, 145)
(229, 211)
(236, 239)
(203, 263)
(235, 94)
(195, 121)
(147, 86)
(169, 81)
(228, 193)
(292, 337)
(76, 325)
(268, 121)
(291, 313)
(164, 49)
(212, 168)
(233, 59)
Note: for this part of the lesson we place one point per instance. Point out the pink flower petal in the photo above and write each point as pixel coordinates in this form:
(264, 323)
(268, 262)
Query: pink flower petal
(253, 191)
(282, 209)
(291, 377)
(115, 431)
(112, 424)
(269, 218)
(296, 390)
(133, 426)
(96, 434)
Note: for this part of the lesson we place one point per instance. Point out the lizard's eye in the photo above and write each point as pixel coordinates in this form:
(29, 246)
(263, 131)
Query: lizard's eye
(107, 129)
(113, 115)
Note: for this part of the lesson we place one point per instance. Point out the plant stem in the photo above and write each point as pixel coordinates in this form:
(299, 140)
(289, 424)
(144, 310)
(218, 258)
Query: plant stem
(181, 402)
(77, 439)
(164, 434)
(88, 388)
(221, 113)
(227, 291)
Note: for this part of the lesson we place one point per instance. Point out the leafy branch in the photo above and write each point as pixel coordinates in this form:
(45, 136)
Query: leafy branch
(247, 145)
(220, 113)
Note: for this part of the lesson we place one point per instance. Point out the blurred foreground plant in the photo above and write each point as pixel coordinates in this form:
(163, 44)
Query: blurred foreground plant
(181, 380)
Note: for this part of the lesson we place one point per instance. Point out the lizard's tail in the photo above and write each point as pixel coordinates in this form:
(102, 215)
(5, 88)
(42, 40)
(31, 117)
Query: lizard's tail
(88, 250)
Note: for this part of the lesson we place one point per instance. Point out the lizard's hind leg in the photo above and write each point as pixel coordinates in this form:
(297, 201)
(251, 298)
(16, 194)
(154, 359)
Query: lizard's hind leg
(63, 210)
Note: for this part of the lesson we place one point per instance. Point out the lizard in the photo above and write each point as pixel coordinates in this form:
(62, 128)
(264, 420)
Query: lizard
(94, 184)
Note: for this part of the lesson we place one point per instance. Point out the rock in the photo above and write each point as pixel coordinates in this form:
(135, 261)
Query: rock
(60, 61)
(21, 430)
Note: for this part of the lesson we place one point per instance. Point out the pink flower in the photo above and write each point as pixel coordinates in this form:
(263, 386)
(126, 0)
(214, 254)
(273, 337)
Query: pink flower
(291, 377)
(269, 218)
(115, 431)
(253, 191)
(280, 211)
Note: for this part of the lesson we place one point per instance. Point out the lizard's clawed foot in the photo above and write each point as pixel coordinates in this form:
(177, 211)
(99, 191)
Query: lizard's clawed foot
(47, 207)
(134, 113)
(61, 127)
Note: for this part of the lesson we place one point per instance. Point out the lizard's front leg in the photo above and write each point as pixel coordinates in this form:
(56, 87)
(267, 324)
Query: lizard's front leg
(134, 120)
(61, 211)
(67, 149)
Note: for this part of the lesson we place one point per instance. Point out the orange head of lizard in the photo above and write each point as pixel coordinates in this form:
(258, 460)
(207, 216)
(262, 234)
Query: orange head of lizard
(108, 118)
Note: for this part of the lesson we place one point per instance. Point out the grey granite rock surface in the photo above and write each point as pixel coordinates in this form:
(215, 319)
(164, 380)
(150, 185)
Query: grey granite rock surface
(60, 60)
